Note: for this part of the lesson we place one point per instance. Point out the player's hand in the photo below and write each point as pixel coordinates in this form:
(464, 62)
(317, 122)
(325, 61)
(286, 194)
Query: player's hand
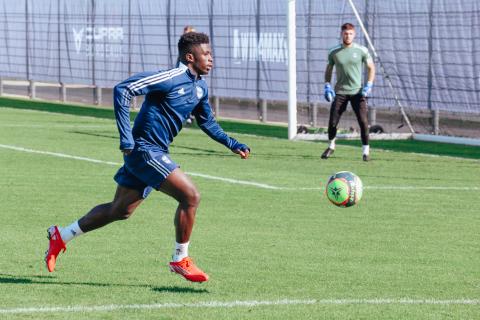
(243, 151)
(244, 154)
(126, 152)
(328, 92)
(367, 88)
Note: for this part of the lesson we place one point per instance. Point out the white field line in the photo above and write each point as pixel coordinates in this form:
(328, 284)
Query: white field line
(62, 155)
(56, 154)
(393, 188)
(420, 188)
(235, 181)
(233, 304)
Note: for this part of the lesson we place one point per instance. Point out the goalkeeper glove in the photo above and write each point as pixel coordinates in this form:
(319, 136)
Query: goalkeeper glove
(367, 88)
(328, 92)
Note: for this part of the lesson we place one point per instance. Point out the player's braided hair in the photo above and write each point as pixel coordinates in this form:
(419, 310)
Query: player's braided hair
(188, 41)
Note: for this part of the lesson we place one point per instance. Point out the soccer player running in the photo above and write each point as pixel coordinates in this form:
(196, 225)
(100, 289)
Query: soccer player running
(170, 97)
(348, 59)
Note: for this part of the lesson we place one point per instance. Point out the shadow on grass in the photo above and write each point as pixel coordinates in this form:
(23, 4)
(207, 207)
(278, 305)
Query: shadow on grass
(13, 279)
(202, 150)
(176, 289)
(51, 280)
(95, 134)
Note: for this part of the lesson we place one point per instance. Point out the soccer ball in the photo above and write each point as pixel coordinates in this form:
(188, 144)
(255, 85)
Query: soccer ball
(344, 189)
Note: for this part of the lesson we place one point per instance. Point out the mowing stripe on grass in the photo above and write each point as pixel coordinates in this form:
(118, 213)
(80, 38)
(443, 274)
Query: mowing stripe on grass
(61, 126)
(235, 181)
(233, 304)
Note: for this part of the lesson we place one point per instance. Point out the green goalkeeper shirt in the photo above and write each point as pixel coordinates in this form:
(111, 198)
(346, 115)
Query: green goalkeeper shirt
(348, 63)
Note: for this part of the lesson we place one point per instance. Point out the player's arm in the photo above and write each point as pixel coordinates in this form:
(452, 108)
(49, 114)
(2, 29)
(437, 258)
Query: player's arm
(139, 84)
(329, 93)
(370, 74)
(370, 71)
(328, 73)
(206, 121)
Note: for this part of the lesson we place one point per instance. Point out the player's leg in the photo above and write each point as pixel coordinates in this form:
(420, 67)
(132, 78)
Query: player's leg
(359, 106)
(338, 107)
(122, 207)
(181, 188)
(125, 202)
(133, 186)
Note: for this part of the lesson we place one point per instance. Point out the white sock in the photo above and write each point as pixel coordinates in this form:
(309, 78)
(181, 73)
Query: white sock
(366, 149)
(70, 232)
(332, 144)
(180, 252)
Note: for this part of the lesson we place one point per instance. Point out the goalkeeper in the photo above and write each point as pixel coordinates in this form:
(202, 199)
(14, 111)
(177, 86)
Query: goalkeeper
(170, 97)
(348, 59)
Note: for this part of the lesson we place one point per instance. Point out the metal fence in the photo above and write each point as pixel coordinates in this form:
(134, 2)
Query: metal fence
(429, 48)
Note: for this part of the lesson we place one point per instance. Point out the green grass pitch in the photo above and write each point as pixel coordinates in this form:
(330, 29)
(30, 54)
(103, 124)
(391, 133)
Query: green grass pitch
(277, 249)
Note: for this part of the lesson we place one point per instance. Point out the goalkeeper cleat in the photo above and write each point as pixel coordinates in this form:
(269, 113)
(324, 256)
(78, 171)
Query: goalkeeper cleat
(366, 157)
(327, 153)
(55, 245)
(188, 270)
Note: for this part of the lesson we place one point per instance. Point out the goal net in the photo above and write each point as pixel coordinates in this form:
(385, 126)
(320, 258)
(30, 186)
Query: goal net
(426, 55)
(427, 79)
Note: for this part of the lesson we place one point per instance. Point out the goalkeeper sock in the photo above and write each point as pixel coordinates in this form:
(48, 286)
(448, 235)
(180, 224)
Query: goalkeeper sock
(366, 149)
(70, 232)
(180, 252)
(332, 144)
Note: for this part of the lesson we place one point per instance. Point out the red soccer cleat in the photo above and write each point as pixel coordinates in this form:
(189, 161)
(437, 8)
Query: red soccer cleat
(55, 246)
(188, 270)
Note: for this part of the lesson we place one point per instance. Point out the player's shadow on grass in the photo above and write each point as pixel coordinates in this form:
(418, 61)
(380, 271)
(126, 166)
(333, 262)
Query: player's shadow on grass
(175, 289)
(95, 134)
(293, 155)
(198, 151)
(8, 278)
(39, 279)
(203, 152)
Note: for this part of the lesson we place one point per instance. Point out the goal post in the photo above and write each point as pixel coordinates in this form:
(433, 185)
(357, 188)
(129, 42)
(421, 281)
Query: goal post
(292, 70)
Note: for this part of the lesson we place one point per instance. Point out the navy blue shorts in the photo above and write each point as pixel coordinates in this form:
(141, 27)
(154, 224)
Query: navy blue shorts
(144, 170)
